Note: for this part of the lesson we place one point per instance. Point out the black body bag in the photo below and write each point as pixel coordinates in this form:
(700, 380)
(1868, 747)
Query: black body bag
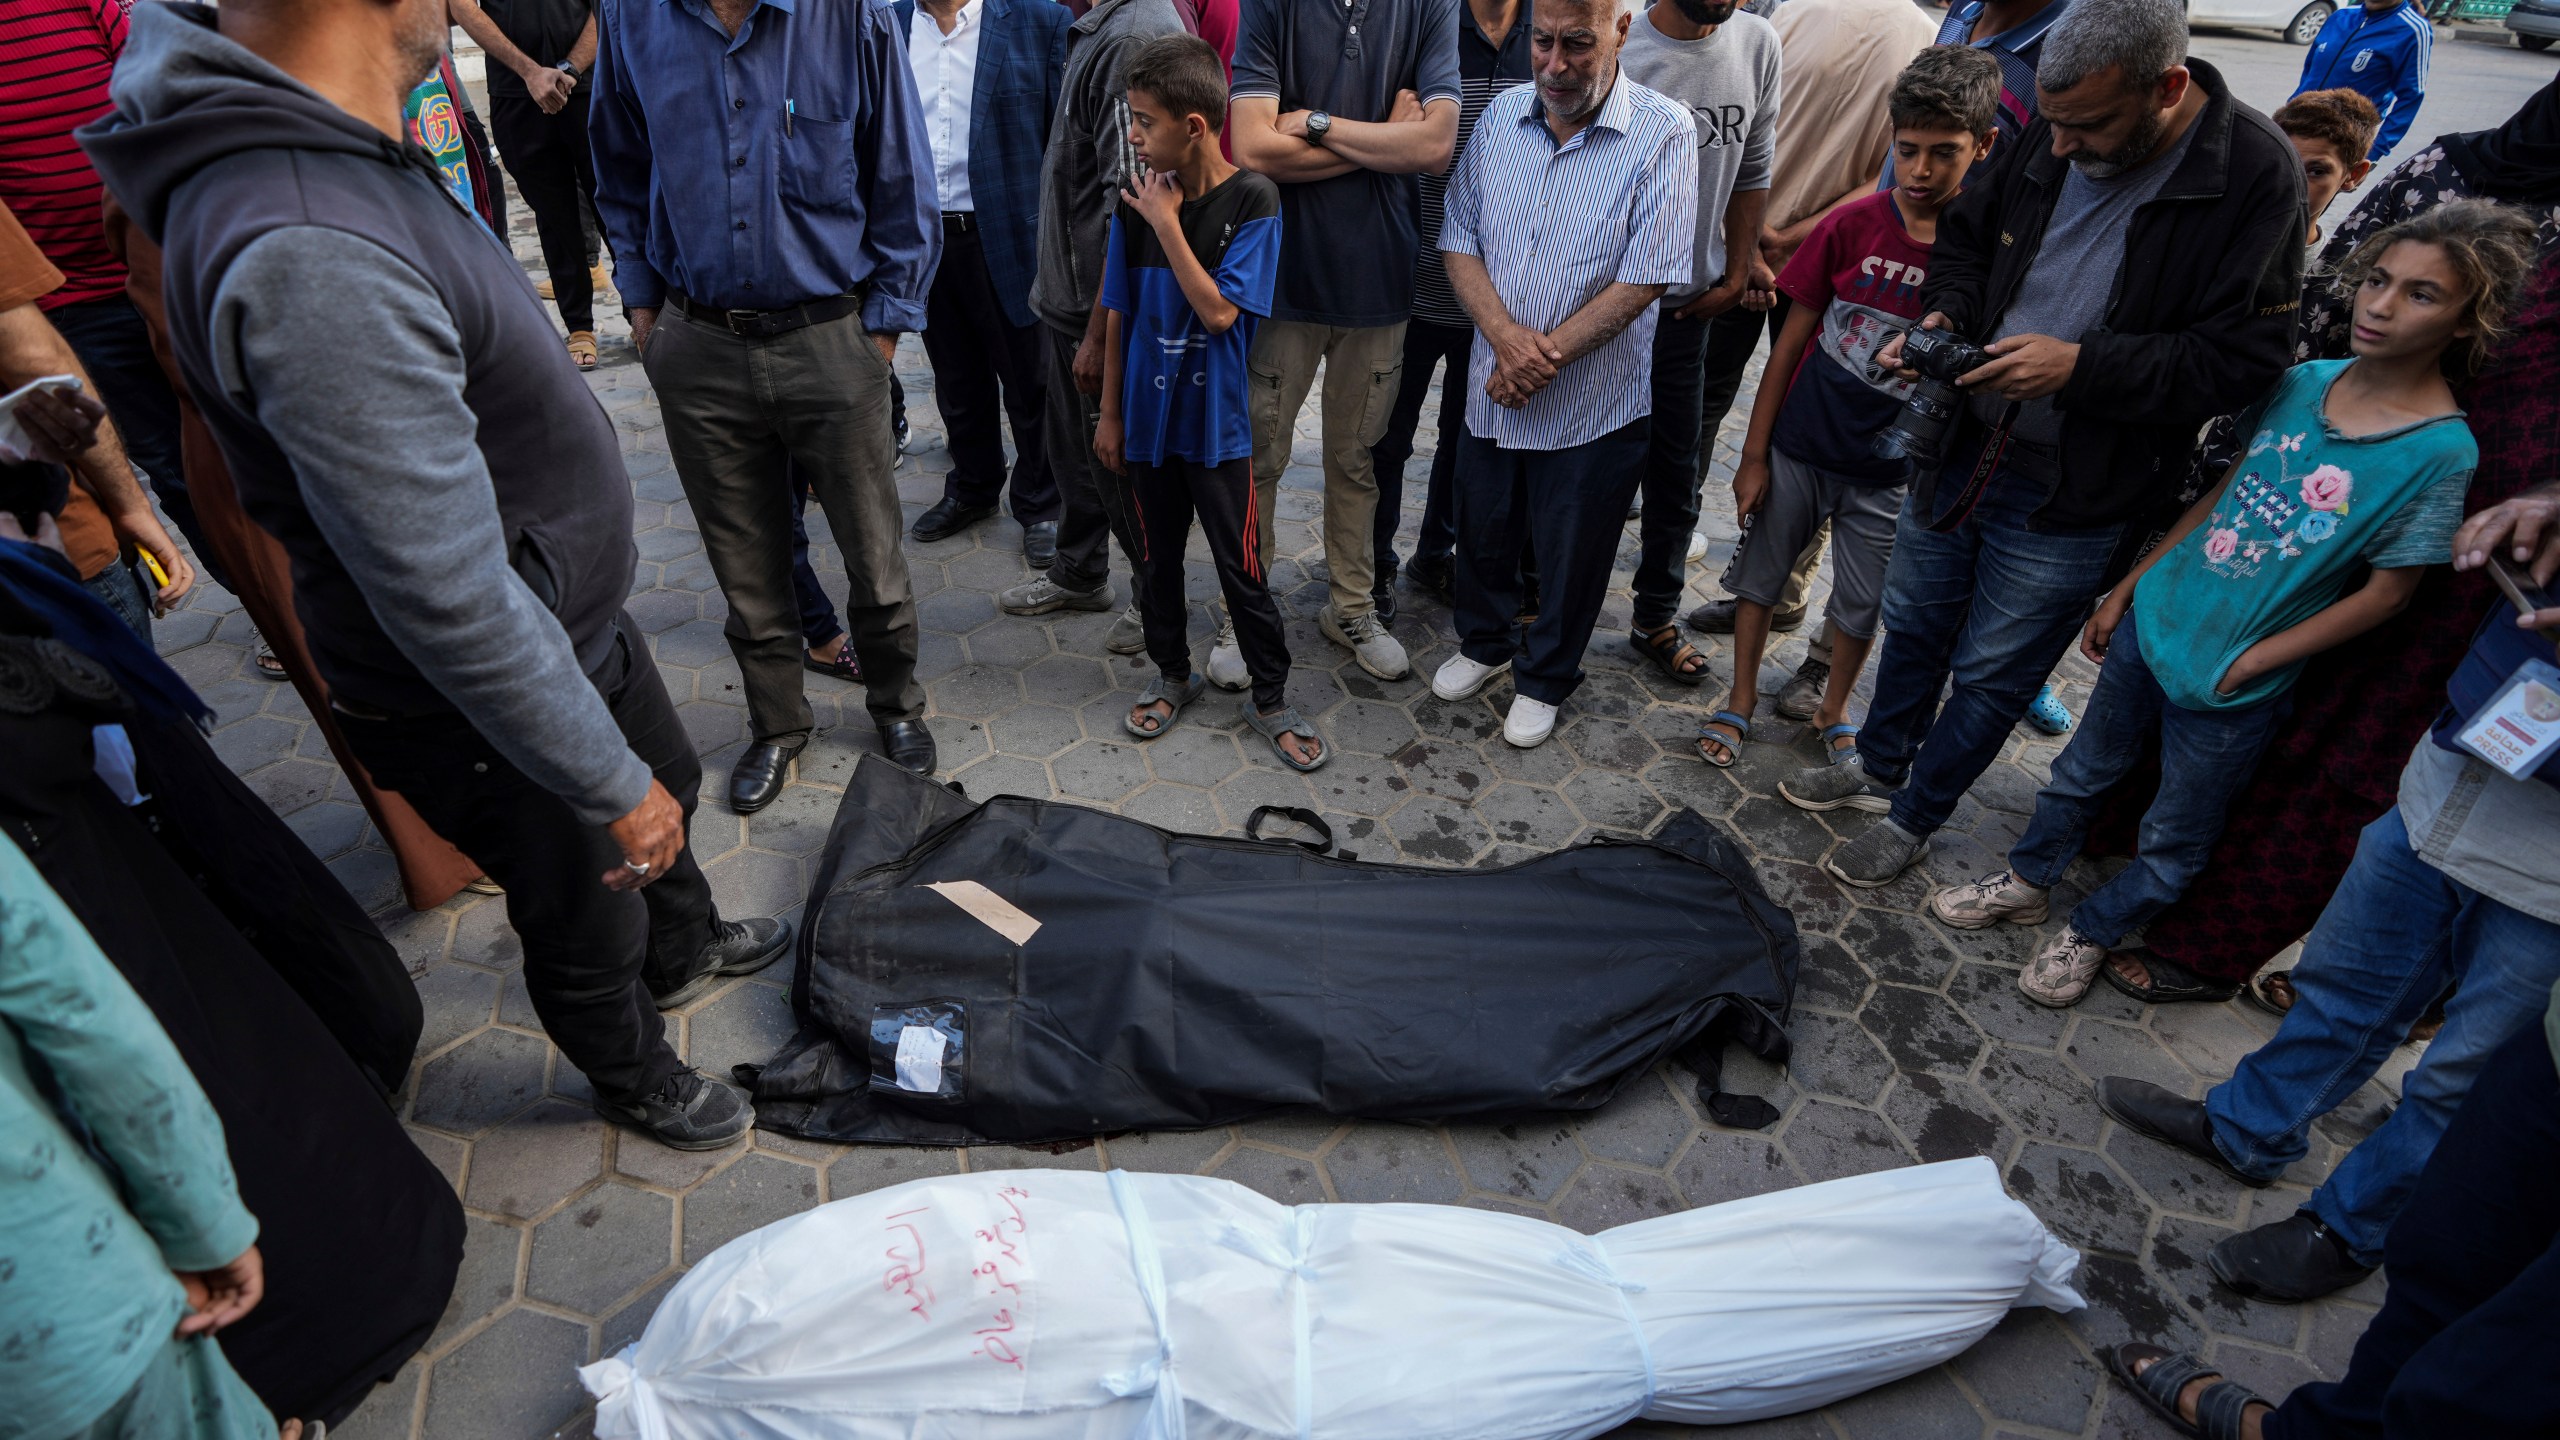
(1025, 971)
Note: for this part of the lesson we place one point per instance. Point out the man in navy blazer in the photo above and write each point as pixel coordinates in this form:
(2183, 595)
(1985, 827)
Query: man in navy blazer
(988, 72)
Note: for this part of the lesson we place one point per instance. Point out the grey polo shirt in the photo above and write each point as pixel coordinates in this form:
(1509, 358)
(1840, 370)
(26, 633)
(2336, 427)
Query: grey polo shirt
(1347, 245)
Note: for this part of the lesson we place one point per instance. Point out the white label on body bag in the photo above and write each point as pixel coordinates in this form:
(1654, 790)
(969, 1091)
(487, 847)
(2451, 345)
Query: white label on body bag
(920, 1050)
(2521, 726)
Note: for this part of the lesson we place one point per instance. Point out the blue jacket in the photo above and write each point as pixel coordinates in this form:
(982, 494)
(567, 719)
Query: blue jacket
(2381, 57)
(1022, 57)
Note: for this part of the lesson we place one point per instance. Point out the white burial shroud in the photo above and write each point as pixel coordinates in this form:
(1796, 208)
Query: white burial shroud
(1040, 1305)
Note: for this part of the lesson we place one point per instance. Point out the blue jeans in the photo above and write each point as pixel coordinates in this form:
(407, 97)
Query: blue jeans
(2396, 933)
(1990, 603)
(2205, 757)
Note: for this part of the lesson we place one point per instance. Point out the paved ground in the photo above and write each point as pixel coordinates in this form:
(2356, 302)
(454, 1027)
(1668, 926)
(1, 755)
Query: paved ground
(1911, 1042)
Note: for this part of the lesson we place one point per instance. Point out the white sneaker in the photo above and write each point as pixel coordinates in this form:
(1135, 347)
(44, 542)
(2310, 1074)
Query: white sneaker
(1366, 637)
(1226, 659)
(1529, 723)
(1461, 678)
(1990, 900)
(1697, 546)
(2061, 972)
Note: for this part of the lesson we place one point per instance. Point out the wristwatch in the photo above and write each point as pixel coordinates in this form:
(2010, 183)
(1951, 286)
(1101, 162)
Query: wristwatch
(1318, 123)
(567, 68)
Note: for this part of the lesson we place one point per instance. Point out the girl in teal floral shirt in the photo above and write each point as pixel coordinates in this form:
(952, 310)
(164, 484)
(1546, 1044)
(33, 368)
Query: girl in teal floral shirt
(2352, 466)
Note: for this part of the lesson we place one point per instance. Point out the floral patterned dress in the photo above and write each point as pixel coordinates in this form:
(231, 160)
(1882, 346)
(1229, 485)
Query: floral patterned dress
(2334, 766)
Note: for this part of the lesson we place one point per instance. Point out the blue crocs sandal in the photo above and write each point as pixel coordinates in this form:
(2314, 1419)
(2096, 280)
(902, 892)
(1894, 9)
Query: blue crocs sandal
(1732, 748)
(1839, 754)
(2047, 714)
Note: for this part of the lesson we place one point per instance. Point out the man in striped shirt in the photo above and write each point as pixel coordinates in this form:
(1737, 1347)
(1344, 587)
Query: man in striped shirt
(1575, 209)
(55, 57)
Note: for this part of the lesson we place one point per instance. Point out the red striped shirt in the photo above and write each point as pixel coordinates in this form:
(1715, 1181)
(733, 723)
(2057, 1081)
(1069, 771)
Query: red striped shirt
(55, 57)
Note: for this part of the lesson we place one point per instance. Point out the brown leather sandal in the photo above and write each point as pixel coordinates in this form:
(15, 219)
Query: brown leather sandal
(1671, 653)
(582, 348)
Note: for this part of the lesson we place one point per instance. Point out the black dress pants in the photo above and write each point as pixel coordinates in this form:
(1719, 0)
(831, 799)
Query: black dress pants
(592, 956)
(1426, 346)
(1563, 511)
(985, 369)
(556, 174)
(1670, 469)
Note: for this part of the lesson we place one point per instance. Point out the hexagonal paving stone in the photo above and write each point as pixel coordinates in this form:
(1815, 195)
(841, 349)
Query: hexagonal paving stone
(1528, 815)
(2027, 1370)
(1034, 731)
(2080, 1197)
(1834, 1056)
(1920, 1031)
(1926, 1406)
(1428, 828)
(1643, 1125)
(1945, 1119)
(1170, 1152)
(1901, 949)
(1524, 1159)
(1731, 1165)
(458, 1001)
(518, 1377)
(481, 1081)
(1100, 770)
(536, 1160)
(2042, 1096)
(1615, 801)
(1193, 754)
(1604, 1196)
(757, 1190)
(607, 1244)
(1828, 1141)
(866, 1168)
(744, 1026)
(1392, 1162)
(491, 1254)
(1289, 1179)
(2098, 1050)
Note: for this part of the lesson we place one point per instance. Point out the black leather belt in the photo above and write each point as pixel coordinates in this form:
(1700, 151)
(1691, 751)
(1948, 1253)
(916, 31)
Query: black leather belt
(961, 221)
(765, 324)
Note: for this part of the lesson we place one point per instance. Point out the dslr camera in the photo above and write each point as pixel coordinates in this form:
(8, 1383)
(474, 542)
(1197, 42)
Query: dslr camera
(1929, 412)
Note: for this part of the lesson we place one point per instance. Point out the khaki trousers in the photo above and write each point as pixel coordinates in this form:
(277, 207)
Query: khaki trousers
(1362, 368)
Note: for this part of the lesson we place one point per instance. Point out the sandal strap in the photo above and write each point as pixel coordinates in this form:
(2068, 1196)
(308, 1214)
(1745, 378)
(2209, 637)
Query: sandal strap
(1741, 723)
(1669, 646)
(1287, 722)
(1161, 690)
(1834, 732)
(2171, 1373)
(2220, 1408)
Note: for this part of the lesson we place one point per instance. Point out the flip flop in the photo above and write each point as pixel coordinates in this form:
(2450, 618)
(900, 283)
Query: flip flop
(1732, 747)
(1839, 754)
(1161, 691)
(1287, 722)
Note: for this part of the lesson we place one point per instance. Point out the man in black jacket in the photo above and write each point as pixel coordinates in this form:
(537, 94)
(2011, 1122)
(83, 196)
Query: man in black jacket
(2134, 266)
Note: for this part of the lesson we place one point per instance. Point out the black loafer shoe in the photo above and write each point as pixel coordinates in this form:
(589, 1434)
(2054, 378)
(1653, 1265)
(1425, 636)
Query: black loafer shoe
(738, 947)
(909, 745)
(947, 518)
(760, 774)
(2296, 1259)
(1040, 544)
(2170, 1118)
(689, 1112)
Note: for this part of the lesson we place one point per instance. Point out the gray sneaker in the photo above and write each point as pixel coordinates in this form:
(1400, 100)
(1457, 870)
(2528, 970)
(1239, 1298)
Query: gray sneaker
(1227, 669)
(1878, 857)
(689, 1112)
(1801, 696)
(1838, 787)
(1990, 900)
(1039, 595)
(1366, 637)
(1128, 633)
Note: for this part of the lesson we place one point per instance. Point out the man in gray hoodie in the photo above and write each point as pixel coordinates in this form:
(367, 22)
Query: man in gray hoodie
(397, 411)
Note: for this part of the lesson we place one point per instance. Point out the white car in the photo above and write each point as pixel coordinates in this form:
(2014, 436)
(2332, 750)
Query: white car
(2299, 21)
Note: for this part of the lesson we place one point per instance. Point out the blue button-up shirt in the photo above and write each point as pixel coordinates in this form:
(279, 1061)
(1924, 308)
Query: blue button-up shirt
(761, 170)
(1555, 225)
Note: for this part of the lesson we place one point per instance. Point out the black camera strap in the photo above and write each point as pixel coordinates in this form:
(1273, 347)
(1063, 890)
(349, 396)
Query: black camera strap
(1980, 480)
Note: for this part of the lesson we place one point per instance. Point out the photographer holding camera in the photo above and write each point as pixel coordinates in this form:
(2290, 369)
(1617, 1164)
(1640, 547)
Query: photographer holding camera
(2133, 266)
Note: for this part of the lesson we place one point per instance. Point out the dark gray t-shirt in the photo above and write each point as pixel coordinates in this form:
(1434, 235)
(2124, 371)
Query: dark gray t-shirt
(1347, 245)
(2066, 288)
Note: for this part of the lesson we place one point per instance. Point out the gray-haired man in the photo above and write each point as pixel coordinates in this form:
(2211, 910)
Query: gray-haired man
(2133, 264)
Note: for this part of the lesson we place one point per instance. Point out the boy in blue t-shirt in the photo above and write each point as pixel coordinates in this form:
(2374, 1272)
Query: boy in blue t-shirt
(1806, 459)
(1188, 275)
(2352, 466)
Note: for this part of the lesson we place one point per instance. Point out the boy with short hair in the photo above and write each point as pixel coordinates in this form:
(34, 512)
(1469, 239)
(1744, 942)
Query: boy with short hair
(1856, 283)
(1188, 276)
(2331, 130)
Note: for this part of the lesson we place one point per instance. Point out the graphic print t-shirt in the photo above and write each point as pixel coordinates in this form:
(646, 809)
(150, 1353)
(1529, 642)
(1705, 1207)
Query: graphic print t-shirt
(2305, 508)
(1182, 389)
(1862, 271)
